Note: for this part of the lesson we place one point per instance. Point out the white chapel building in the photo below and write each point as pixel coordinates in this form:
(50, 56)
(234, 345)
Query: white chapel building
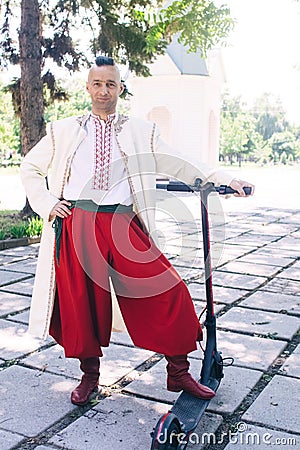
(183, 96)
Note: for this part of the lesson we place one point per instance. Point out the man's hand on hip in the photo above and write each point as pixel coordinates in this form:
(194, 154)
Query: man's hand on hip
(60, 209)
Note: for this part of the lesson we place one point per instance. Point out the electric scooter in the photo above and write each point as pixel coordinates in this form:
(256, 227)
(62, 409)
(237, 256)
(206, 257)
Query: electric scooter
(174, 428)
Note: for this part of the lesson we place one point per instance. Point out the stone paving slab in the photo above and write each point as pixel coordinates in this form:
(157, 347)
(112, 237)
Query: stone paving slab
(27, 251)
(15, 341)
(22, 317)
(10, 303)
(6, 259)
(192, 259)
(293, 219)
(254, 437)
(237, 383)
(272, 301)
(278, 405)
(249, 351)
(25, 266)
(178, 244)
(237, 281)
(272, 251)
(117, 423)
(52, 360)
(291, 366)
(9, 440)
(152, 384)
(190, 228)
(219, 255)
(117, 361)
(261, 257)
(208, 425)
(257, 218)
(242, 267)
(171, 251)
(221, 294)
(187, 273)
(278, 212)
(273, 229)
(263, 218)
(8, 277)
(287, 243)
(232, 251)
(121, 338)
(230, 233)
(190, 242)
(251, 239)
(22, 287)
(267, 323)
(292, 272)
(200, 306)
(283, 286)
(283, 248)
(46, 397)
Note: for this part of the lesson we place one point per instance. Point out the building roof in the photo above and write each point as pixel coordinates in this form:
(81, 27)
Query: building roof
(187, 63)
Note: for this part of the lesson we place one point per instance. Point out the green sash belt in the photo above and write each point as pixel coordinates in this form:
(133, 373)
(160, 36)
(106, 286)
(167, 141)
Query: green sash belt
(86, 205)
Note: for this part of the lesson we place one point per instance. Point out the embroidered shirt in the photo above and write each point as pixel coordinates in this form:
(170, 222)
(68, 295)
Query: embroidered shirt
(97, 170)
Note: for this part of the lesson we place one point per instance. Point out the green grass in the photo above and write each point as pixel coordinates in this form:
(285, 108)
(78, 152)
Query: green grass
(13, 225)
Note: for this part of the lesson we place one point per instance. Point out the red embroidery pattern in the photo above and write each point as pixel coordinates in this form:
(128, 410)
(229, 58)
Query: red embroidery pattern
(103, 150)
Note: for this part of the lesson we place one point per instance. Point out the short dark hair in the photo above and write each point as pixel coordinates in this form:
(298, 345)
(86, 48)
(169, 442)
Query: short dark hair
(104, 61)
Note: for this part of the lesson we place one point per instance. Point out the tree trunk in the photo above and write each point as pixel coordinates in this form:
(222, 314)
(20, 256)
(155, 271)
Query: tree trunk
(31, 86)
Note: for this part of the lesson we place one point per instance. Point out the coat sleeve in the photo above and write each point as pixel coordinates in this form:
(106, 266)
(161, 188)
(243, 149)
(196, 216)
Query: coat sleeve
(171, 163)
(34, 169)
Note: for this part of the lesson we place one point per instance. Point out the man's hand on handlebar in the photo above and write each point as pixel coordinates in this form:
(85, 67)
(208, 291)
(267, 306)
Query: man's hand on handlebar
(238, 186)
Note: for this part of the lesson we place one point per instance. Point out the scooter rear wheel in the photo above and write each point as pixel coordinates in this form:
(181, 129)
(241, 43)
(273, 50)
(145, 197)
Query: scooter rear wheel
(165, 435)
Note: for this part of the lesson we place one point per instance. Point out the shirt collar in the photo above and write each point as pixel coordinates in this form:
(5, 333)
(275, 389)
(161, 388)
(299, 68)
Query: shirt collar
(111, 117)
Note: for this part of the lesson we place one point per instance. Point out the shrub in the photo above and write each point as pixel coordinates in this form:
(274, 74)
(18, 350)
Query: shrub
(12, 225)
(34, 226)
(18, 230)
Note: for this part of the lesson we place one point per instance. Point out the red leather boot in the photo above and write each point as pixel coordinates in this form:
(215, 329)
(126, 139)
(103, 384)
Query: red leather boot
(179, 379)
(89, 381)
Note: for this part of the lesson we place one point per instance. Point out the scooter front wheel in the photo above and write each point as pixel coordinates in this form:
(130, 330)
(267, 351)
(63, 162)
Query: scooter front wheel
(166, 433)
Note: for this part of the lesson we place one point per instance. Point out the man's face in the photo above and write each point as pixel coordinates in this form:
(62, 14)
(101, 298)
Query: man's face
(104, 86)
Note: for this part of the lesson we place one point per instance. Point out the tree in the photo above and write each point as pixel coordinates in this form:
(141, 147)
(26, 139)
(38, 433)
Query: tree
(261, 134)
(284, 143)
(270, 116)
(237, 137)
(31, 85)
(9, 130)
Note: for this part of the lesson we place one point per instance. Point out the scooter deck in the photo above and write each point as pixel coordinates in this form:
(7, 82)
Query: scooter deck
(189, 409)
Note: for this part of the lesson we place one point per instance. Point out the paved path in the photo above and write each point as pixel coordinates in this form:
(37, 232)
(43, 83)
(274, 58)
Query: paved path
(257, 294)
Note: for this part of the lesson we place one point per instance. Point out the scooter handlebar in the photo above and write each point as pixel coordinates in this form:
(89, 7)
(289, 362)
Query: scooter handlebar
(182, 187)
(224, 190)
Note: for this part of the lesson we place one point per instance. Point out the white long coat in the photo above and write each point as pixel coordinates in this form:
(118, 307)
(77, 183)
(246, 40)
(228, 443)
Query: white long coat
(145, 155)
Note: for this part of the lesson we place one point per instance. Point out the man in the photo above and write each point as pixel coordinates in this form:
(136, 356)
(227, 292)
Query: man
(101, 170)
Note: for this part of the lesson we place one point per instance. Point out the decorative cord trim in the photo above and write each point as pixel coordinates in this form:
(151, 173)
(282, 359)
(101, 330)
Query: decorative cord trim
(152, 138)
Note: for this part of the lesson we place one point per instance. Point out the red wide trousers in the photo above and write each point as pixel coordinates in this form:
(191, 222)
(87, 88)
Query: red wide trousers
(154, 301)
